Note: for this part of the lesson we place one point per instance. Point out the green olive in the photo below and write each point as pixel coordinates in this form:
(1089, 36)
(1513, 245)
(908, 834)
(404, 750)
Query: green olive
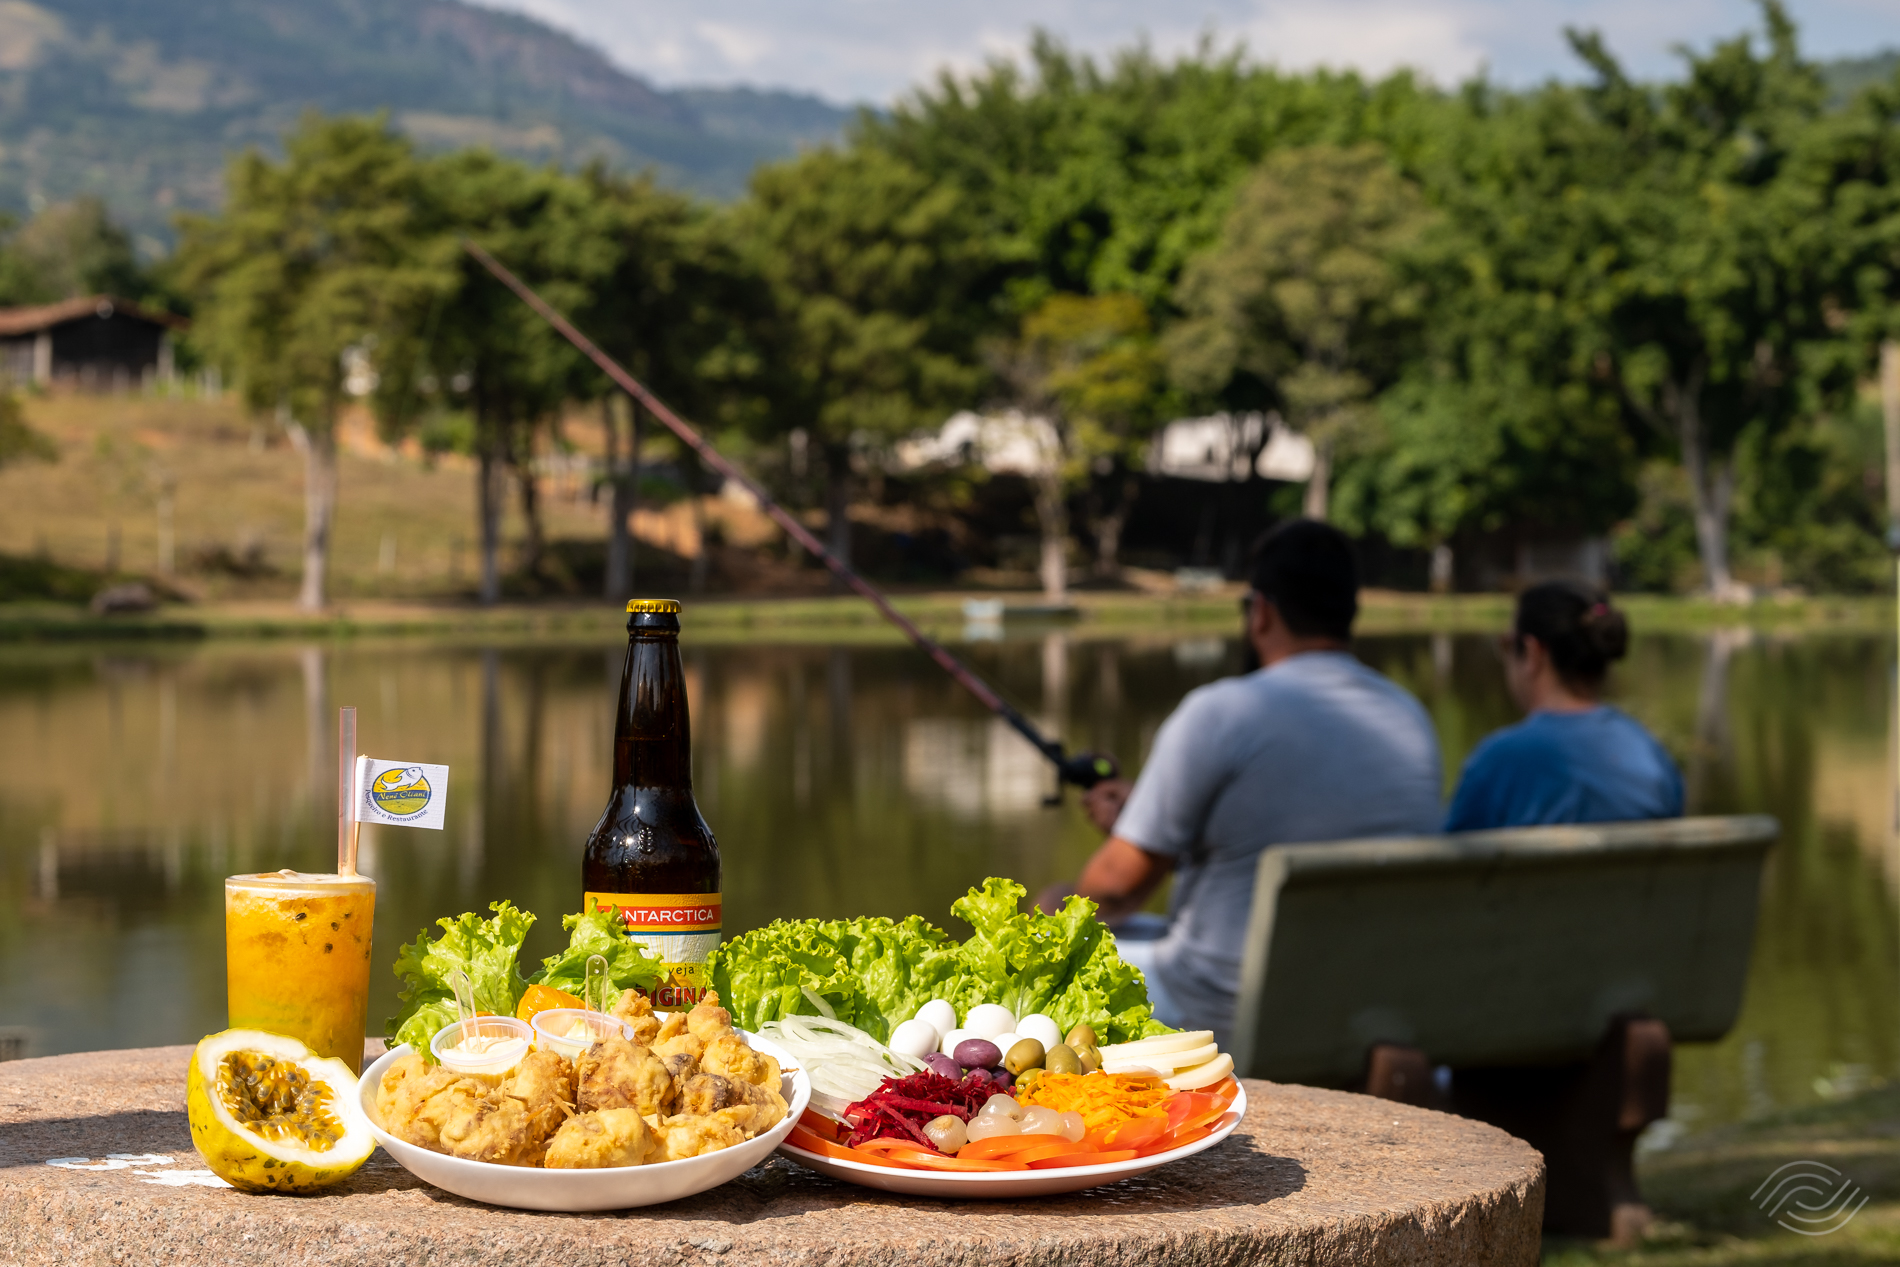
(1081, 1036)
(1025, 1080)
(1024, 1053)
(1091, 1058)
(1062, 1059)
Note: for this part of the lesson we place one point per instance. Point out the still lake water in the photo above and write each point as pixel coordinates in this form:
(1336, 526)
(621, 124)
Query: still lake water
(839, 781)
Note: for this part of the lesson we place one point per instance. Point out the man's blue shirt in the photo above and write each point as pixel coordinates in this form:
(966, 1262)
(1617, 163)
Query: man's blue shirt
(1599, 766)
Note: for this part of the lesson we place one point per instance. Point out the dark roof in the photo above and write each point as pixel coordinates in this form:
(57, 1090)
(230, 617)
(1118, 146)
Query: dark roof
(18, 321)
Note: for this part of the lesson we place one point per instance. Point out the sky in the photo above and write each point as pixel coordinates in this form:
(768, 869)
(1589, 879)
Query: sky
(849, 51)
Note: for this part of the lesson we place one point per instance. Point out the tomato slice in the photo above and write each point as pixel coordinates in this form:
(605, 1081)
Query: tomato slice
(885, 1145)
(1175, 1139)
(1062, 1148)
(918, 1158)
(1080, 1159)
(1004, 1145)
(821, 1126)
(802, 1138)
(1183, 1105)
(1225, 1090)
(1136, 1133)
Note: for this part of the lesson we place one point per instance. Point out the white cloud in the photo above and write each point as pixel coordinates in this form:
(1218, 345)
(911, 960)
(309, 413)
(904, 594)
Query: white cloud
(874, 50)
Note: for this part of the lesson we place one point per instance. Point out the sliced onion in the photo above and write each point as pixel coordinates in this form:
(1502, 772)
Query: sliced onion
(844, 1063)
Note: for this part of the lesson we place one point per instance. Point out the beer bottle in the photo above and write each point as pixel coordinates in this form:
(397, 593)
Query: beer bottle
(651, 859)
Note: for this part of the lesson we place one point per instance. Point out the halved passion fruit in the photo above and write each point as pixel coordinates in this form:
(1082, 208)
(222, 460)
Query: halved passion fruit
(270, 1115)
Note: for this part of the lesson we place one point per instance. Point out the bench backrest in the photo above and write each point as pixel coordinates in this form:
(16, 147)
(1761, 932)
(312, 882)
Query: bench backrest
(1510, 947)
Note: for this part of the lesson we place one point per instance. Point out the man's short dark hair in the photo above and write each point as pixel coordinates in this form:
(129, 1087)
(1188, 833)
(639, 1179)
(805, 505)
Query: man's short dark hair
(1306, 569)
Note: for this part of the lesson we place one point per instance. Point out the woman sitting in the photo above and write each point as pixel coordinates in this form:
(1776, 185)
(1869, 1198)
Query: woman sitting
(1575, 759)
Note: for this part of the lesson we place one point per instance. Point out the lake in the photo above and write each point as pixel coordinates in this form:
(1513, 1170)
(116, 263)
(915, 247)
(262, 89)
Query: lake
(839, 780)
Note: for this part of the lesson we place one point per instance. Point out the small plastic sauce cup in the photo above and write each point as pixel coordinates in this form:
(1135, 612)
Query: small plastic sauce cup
(485, 1045)
(553, 1029)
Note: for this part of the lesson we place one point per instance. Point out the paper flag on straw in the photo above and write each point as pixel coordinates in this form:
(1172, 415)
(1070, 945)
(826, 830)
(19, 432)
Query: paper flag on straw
(401, 793)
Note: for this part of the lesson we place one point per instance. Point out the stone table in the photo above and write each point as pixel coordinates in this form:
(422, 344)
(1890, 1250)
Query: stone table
(97, 1167)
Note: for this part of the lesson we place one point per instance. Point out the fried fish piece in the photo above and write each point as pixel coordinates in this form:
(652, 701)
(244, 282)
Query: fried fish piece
(692, 1135)
(708, 1093)
(708, 1020)
(730, 1055)
(404, 1087)
(682, 1065)
(615, 1074)
(675, 1039)
(636, 1010)
(544, 1082)
(471, 1118)
(610, 1137)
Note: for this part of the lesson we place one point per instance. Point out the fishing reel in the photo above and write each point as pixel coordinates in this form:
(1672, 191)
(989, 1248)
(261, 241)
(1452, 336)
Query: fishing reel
(1084, 770)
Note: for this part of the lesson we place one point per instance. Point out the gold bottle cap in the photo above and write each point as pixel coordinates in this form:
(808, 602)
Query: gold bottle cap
(661, 606)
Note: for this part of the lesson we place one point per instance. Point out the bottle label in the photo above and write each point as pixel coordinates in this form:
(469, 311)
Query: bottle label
(681, 928)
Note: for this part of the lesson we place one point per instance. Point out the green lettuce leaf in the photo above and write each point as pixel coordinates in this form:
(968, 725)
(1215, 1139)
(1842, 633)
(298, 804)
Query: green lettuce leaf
(1063, 965)
(486, 949)
(773, 972)
(875, 972)
(629, 963)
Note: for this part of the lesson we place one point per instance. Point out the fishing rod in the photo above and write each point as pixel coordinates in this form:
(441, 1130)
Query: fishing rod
(1083, 769)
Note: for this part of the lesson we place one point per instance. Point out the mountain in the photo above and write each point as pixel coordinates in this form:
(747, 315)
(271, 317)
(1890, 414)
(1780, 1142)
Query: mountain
(142, 101)
(1850, 74)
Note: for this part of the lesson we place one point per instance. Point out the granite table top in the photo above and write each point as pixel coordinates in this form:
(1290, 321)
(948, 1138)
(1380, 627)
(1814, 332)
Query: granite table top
(97, 1167)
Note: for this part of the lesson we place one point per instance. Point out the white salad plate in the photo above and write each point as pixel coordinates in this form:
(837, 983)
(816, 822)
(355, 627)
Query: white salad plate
(580, 1191)
(1010, 1183)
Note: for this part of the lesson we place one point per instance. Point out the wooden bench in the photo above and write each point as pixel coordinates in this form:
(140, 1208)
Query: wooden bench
(1549, 968)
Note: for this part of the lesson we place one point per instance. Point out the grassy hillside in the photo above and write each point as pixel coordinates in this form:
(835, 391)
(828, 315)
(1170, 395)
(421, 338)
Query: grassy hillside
(141, 101)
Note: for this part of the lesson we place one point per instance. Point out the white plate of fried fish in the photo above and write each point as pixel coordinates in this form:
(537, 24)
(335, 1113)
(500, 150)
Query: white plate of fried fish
(675, 1108)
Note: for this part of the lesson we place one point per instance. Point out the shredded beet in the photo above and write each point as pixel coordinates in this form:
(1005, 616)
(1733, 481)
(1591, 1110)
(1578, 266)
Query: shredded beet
(899, 1107)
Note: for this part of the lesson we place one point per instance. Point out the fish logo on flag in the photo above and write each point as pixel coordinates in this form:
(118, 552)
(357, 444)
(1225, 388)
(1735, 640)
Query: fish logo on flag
(401, 793)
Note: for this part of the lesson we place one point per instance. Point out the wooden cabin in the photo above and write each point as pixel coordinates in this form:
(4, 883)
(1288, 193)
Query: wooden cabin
(93, 343)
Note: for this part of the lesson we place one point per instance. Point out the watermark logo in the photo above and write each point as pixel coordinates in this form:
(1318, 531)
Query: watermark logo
(1810, 1197)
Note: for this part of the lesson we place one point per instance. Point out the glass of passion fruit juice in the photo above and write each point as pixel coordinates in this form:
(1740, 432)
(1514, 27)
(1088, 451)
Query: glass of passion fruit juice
(297, 950)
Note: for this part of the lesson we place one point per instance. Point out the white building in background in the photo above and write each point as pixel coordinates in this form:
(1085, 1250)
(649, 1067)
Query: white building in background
(1007, 443)
(1228, 448)
(1220, 448)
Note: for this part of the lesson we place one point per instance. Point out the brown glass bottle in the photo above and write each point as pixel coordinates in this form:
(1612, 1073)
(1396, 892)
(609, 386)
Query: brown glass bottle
(651, 858)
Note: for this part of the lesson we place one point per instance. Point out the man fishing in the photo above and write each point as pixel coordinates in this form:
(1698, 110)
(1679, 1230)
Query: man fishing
(1313, 745)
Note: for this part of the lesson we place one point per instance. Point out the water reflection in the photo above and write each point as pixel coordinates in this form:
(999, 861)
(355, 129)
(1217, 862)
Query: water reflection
(839, 781)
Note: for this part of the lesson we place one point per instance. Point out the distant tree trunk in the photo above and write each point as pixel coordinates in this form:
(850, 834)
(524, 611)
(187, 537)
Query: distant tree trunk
(318, 450)
(534, 545)
(616, 585)
(1108, 531)
(838, 506)
(1319, 484)
(488, 503)
(1052, 514)
(1711, 486)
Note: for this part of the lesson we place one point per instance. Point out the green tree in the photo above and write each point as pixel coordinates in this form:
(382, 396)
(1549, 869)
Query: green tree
(1706, 273)
(1305, 293)
(67, 250)
(471, 345)
(867, 263)
(1084, 382)
(312, 257)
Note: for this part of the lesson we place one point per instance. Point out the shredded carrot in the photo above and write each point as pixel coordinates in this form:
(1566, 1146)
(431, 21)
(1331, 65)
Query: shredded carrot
(1103, 1099)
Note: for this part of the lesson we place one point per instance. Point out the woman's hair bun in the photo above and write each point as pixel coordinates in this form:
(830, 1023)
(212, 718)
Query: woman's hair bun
(1607, 629)
(1579, 628)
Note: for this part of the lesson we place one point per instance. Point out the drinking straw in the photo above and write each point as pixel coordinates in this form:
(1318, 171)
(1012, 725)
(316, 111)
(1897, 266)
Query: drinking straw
(346, 825)
(464, 995)
(594, 993)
